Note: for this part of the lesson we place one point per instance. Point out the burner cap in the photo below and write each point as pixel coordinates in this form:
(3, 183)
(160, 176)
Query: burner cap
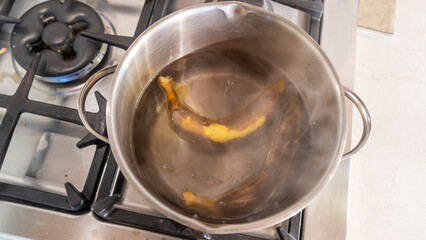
(52, 28)
(57, 35)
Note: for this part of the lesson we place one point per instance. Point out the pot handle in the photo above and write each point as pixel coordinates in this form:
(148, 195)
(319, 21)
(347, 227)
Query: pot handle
(83, 95)
(366, 121)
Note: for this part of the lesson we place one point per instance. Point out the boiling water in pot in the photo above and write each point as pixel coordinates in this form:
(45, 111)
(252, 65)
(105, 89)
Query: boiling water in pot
(236, 178)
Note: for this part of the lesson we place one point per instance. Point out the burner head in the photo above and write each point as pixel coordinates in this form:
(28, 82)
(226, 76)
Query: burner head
(52, 28)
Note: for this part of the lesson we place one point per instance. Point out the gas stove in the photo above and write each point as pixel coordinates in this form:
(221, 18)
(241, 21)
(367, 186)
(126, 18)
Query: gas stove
(56, 179)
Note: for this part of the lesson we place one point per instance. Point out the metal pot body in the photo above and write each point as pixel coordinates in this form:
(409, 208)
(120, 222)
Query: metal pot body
(257, 32)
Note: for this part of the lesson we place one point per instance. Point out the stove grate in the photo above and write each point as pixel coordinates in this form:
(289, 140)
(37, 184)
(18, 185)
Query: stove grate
(19, 103)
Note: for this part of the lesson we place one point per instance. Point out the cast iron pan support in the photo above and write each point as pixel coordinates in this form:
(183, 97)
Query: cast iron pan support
(18, 103)
(145, 20)
(7, 19)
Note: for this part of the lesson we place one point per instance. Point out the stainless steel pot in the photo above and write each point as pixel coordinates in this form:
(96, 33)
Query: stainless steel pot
(262, 34)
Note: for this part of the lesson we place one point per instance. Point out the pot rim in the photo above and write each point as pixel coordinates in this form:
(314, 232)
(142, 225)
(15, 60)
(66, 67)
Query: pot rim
(228, 228)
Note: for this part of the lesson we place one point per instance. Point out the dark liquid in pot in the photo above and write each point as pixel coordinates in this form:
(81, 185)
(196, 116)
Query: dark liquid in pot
(217, 84)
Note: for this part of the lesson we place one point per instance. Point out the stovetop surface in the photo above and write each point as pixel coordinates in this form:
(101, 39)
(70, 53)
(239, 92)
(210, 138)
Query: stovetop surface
(42, 154)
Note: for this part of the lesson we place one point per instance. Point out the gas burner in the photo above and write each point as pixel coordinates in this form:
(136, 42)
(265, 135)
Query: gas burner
(53, 29)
